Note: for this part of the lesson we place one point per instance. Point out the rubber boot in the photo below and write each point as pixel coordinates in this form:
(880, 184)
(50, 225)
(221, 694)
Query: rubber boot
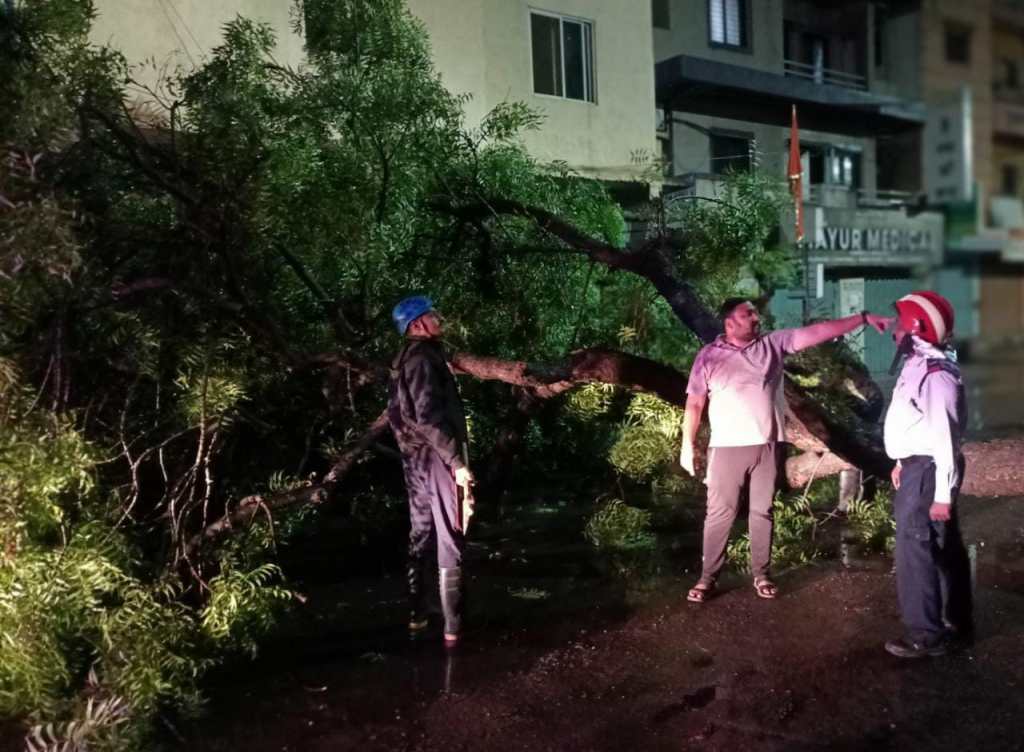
(417, 597)
(451, 603)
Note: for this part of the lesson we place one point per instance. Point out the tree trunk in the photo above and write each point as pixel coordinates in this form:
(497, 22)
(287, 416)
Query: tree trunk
(858, 444)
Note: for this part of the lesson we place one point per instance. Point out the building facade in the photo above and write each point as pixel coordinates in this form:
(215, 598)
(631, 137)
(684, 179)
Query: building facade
(911, 118)
(158, 36)
(565, 59)
(585, 65)
(727, 75)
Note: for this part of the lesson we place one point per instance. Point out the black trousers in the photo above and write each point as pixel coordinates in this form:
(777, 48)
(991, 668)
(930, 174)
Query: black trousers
(433, 508)
(932, 568)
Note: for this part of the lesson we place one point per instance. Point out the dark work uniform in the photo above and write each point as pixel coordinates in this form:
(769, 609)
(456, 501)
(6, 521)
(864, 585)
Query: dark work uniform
(924, 430)
(426, 415)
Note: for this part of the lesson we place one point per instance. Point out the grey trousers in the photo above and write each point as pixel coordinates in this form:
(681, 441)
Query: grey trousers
(729, 470)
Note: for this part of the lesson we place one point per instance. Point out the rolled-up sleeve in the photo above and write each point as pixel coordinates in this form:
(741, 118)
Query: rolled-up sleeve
(939, 399)
(697, 386)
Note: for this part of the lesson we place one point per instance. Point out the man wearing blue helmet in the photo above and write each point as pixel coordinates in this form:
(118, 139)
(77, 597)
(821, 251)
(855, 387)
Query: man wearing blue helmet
(426, 415)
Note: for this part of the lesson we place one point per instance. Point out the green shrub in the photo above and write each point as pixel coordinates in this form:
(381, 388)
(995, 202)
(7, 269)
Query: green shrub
(616, 525)
(92, 645)
(872, 523)
(793, 542)
(648, 439)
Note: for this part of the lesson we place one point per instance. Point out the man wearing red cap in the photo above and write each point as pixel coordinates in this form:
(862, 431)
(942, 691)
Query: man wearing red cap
(924, 429)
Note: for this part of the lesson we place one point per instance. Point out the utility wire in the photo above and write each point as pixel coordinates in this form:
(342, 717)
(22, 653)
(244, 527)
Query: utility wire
(186, 25)
(174, 28)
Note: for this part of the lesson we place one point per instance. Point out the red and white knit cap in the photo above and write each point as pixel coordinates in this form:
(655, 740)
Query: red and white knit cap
(933, 311)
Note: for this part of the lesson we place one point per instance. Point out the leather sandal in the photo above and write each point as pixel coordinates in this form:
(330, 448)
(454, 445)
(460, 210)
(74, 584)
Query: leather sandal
(765, 588)
(700, 592)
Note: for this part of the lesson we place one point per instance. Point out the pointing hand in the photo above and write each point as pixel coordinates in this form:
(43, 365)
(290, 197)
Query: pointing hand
(879, 323)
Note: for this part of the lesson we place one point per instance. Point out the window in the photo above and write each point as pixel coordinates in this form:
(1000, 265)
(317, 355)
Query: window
(661, 16)
(833, 165)
(563, 56)
(727, 22)
(729, 153)
(1011, 180)
(958, 43)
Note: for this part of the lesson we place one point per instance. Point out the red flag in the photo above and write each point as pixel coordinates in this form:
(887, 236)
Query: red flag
(795, 174)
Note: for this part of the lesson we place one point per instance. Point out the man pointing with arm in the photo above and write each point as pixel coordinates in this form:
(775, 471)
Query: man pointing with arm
(738, 378)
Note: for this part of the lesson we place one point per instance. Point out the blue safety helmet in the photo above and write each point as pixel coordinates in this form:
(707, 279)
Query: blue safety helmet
(409, 310)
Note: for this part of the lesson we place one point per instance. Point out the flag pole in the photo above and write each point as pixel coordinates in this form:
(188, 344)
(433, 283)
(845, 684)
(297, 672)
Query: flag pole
(794, 173)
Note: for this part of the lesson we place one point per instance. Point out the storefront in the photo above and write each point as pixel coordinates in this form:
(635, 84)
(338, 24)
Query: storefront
(855, 259)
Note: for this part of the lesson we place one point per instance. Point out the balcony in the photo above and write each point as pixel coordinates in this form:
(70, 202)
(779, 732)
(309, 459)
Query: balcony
(820, 75)
(829, 196)
(845, 197)
(710, 87)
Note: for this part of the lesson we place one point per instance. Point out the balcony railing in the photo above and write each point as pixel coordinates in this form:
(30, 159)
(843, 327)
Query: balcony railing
(822, 75)
(704, 185)
(844, 197)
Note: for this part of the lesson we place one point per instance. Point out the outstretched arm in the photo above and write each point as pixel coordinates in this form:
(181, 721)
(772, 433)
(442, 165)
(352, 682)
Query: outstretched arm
(815, 334)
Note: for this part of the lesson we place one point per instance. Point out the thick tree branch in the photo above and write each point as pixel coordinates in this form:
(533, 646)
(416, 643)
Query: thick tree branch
(581, 367)
(859, 445)
(652, 260)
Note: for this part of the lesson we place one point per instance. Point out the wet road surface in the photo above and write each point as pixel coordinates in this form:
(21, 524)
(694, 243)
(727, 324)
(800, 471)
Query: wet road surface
(567, 655)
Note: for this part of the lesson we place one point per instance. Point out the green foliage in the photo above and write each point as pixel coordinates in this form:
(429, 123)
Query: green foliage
(649, 437)
(590, 401)
(828, 373)
(872, 522)
(793, 542)
(99, 725)
(44, 467)
(243, 606)
(729, 236)
(616, 525)
(163, 293)
(80, 613)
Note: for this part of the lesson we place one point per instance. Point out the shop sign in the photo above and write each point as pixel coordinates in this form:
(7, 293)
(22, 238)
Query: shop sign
(873, 239)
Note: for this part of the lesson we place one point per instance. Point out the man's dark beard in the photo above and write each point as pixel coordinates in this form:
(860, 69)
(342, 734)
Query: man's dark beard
(903, 348)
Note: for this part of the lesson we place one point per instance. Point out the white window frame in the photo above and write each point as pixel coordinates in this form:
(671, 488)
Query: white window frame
(589, 76)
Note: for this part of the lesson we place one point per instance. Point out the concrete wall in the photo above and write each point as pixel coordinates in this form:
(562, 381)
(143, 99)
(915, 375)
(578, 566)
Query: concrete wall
(598, 138)
(1007, 44)
(456, 29)
(900, 72)
(690, 35)
(481, 48)
(180, 33)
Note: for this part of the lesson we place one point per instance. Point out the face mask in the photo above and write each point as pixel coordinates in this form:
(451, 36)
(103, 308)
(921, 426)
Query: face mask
(903, 349)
